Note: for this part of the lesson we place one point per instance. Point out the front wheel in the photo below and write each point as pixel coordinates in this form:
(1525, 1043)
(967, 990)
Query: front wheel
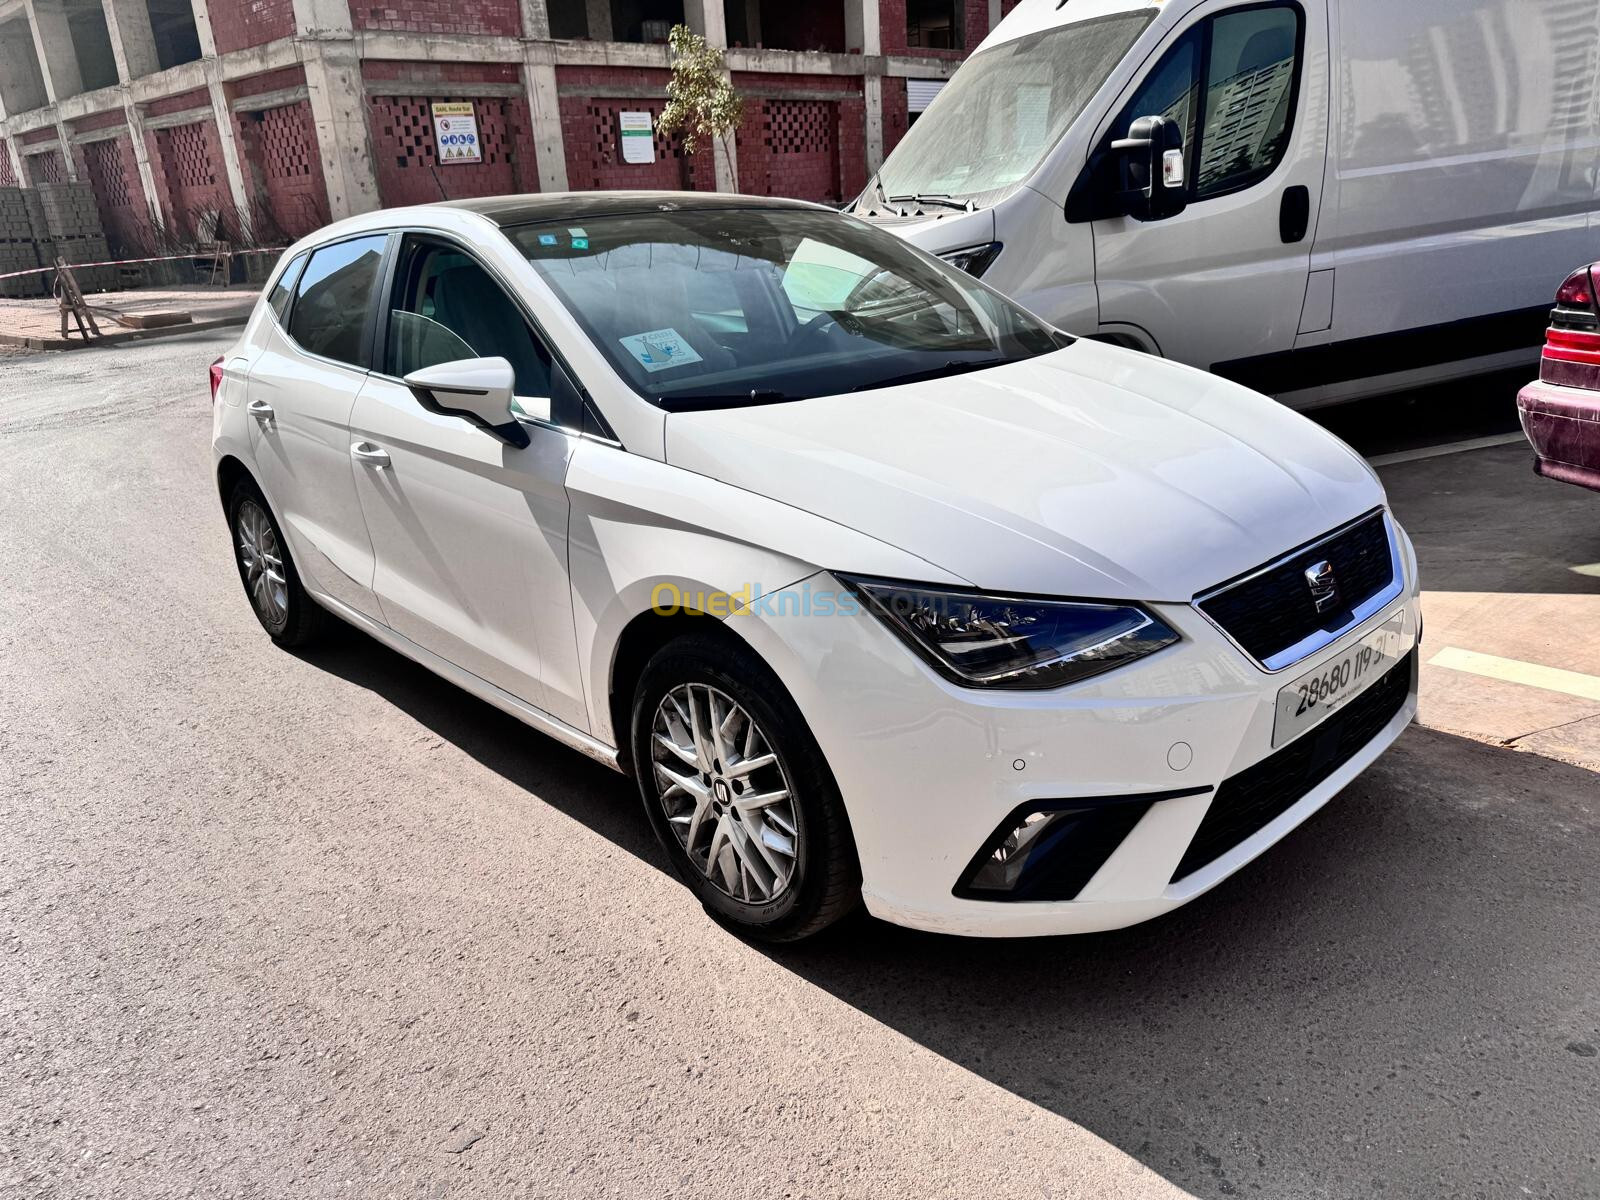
(738, 791)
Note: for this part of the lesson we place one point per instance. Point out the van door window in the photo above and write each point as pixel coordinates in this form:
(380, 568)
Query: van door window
(1229, 82)
(1250, 78)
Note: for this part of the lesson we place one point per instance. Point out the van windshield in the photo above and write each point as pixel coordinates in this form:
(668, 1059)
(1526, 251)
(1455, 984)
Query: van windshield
(1005, 109)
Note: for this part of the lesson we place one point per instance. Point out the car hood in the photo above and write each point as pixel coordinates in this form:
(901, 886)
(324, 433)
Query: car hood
(1093, 471)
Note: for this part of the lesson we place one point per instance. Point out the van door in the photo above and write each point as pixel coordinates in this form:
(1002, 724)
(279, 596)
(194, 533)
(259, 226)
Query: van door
(1225, 279)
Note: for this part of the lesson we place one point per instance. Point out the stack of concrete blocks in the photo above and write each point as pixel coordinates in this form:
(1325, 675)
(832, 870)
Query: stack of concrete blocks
(18, 247)
(72, 224)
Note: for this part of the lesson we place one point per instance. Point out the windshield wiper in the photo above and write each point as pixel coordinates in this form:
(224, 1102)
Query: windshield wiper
(953, 367)
(699, 402)
(940, 198)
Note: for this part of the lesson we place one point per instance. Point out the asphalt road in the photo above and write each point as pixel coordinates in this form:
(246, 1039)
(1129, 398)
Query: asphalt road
(320, 925)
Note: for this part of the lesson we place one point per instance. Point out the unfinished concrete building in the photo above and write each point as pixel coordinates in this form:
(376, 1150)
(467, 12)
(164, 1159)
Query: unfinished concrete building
(258, 120)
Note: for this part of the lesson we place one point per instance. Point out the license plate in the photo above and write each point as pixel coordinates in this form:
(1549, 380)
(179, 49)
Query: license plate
(1328, 687)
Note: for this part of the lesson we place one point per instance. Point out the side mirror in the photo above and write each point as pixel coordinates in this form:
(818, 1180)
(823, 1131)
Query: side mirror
(478, 389)
(1152, 168)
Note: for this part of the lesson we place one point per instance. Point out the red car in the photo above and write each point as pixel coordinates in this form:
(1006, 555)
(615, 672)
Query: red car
(1561, 410)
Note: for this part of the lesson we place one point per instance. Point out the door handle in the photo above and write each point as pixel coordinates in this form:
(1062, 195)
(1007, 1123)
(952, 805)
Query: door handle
(1294, 213)
(259, 409)
(373, 456)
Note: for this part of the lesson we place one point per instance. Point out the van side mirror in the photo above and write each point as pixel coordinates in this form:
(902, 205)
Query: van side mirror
(477, 389)
(1154, 186)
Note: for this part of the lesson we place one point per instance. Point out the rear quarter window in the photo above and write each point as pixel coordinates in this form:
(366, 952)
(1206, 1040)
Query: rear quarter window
(333, 298)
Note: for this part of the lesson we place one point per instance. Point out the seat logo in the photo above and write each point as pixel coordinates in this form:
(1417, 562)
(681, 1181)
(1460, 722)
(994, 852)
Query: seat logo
(1324, 587)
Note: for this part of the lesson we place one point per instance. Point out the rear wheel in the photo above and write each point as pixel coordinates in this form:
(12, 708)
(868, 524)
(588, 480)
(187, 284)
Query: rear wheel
(267, 571)
(738, 792)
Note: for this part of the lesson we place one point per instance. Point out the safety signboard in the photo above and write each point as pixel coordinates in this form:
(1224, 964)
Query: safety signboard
(455, 132)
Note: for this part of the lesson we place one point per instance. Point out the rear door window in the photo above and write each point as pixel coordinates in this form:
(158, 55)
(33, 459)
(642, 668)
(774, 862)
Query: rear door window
(334, 297)
(283, 290)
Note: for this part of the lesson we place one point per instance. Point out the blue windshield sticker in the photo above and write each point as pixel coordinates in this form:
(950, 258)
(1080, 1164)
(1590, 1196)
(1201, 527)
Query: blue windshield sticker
(580, 243)
(547, 239)
(660, 349)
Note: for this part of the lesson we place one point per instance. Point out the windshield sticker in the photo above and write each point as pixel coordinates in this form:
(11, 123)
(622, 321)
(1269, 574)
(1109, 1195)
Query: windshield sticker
(660, 349)
(577, 231)
(547, 239)
(580, 243)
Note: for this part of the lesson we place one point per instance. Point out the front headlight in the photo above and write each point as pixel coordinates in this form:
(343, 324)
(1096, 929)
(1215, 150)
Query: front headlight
(999, 642)
(974, 260)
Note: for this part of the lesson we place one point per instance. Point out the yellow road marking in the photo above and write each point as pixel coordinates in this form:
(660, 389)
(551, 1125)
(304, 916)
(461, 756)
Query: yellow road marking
(1551, 679)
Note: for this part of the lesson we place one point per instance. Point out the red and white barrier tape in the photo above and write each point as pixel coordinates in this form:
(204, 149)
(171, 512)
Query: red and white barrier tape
(124, 262)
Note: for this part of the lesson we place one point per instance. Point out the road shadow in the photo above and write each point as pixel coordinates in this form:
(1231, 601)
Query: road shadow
(1398, 1000)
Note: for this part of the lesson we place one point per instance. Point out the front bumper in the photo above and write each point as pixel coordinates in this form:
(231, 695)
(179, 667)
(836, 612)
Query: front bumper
(929, 770)
(1563, 426)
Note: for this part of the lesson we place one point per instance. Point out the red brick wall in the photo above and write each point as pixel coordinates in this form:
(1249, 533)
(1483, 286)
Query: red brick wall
(810, 149)
(45, 168)
(896, 113)
(404, 151)
(288, 197)
(439, 16)
(191, 178)
(240, 23)
(45, 133)
(590, 129)
(199, 98)
(977, 15)
(110, 168)
(267, 81)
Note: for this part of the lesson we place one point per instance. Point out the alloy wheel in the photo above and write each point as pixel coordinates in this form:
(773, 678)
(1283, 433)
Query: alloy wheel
(724, 792)
(262, 562)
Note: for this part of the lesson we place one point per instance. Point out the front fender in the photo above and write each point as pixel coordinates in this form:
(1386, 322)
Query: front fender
(642, 531)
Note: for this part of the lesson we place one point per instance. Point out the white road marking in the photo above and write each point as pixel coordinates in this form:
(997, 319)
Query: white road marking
(1483, 443)
(1551, 679)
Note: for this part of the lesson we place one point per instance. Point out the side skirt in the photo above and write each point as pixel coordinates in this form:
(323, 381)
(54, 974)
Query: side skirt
(536, 718)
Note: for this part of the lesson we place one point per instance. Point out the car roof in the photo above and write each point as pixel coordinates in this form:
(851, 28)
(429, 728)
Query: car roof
(529, 209)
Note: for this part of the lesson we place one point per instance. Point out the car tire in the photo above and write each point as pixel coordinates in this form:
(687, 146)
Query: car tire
(267, 571)
(740, 888)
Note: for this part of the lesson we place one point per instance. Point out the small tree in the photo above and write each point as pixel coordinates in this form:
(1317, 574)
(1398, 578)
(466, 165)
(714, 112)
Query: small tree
(701, 102)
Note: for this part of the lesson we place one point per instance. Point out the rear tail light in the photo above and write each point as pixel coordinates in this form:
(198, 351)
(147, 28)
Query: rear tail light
(216, 379)
(1571, 355)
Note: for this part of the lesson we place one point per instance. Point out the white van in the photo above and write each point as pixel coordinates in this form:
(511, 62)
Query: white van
(1323, 199)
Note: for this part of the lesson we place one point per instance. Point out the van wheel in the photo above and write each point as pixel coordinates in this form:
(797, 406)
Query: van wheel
(290, 617)
(738, 791)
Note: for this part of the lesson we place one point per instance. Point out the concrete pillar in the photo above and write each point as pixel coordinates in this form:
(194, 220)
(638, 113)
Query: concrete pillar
(598, 14)
(707, 18)
(536, 19)
(221, 115)
(133, 45)
(864, 29)
(544, 108)
(339, 112)
(994, 15)
(58, 58)
(16, 161)
(141, 159)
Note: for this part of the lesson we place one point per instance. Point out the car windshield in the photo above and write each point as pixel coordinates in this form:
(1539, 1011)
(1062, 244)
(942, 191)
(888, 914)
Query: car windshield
(721, 307)
(1004, 110)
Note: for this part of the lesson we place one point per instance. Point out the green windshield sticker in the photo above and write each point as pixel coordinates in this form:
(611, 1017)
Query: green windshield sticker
(659, 349)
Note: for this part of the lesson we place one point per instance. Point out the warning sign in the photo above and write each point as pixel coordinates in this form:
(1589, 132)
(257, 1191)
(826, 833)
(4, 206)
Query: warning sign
(455, 132)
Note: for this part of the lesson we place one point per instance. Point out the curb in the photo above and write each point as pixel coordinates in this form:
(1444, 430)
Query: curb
(124, 335)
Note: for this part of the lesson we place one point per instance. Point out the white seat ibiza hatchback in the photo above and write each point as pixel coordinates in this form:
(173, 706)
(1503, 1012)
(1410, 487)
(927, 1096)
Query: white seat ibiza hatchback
(882, 589)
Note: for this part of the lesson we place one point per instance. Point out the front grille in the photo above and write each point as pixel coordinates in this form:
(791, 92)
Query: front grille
(1258, 795)
(1266, 613)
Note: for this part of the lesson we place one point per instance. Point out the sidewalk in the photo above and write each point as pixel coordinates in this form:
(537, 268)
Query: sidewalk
(36, 324)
